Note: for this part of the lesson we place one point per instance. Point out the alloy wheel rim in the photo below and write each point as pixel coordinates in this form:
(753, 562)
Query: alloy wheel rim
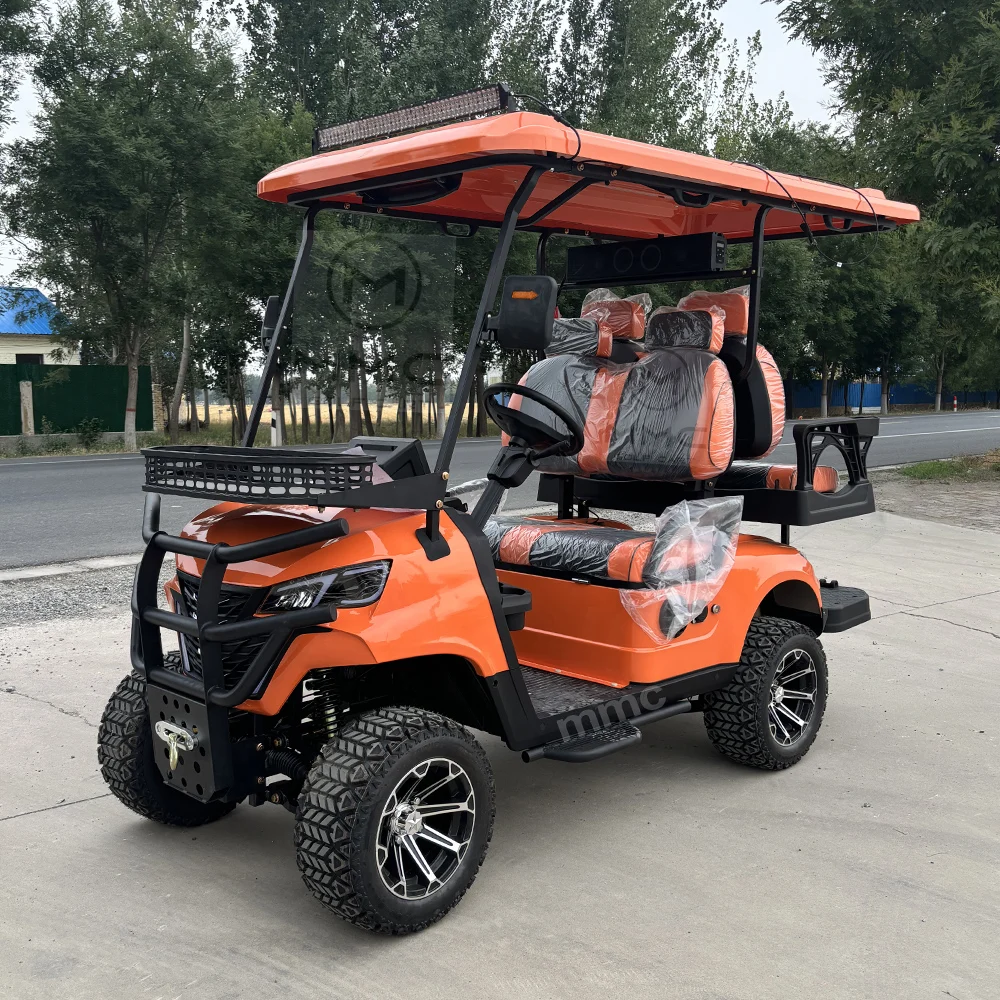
(792, 701)
(425, 828)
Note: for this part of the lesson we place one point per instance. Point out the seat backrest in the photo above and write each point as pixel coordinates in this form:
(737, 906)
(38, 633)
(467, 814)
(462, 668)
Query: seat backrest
(760, 398)
(667, 416)
(624, 319)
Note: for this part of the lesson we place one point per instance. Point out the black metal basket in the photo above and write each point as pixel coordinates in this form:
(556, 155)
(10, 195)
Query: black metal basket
(253, 475)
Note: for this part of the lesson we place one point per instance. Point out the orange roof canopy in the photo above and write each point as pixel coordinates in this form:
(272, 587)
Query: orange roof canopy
(622, 188)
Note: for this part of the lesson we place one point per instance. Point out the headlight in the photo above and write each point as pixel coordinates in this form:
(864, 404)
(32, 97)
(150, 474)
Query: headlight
(349, 587)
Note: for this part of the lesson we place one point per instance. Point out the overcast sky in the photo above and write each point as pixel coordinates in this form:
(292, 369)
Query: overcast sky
(784, 65)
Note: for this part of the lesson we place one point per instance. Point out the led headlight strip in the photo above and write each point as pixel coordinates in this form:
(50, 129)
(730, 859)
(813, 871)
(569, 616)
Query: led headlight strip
(471, 104)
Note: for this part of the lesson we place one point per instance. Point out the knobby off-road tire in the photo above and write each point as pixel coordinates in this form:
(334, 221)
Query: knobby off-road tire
(125, 753)
(741, 718)
(346, 809)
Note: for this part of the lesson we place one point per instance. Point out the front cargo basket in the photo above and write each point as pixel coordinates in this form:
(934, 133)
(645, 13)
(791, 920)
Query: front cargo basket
(253, 475)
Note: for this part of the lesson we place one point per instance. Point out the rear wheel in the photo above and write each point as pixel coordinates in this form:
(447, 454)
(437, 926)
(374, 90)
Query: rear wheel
(394, 819)
(770, 712)
(125, 753)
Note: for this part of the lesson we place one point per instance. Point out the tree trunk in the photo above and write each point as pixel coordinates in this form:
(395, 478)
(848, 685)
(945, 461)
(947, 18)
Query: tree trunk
(304, 396)
(439, 406)
(417, 411)
(318, 410)
(194, 422)
(826, 372)
(208, 402)
(338, 429)
(861, 398)
(175, 402)
(884, 408)
(401, 414)
(132, 395)
(940, 386)
(379, 404)
(333, 422)
(365, 408)
(293, 412)
(354, 383)
(363, 387)
(470, 414)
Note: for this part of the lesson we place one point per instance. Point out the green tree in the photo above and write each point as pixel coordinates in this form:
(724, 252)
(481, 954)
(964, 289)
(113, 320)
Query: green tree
(17, 39)
(133, 128)
(923, 84)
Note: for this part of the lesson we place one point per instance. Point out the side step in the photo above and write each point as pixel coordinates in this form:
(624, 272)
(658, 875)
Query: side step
(601, 742)
(589, 746)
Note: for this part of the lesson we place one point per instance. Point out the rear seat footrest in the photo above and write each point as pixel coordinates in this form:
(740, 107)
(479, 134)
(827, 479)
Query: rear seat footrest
(843, 607)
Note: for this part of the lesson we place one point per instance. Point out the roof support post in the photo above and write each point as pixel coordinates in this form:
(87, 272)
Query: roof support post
(490, 289)
(543, 243)
(280, 329)
(756, 274)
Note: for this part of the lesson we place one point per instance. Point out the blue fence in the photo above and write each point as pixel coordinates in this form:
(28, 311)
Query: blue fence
(806, 396)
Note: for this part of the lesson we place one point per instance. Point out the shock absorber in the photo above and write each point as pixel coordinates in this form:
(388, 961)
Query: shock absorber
(324, 703)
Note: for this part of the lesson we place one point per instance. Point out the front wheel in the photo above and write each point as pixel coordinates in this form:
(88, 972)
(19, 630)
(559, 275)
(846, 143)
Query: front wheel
(394, 819)
(768, 715)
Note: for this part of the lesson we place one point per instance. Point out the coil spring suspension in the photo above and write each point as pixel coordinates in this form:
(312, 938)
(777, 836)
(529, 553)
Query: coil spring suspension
(323, 703)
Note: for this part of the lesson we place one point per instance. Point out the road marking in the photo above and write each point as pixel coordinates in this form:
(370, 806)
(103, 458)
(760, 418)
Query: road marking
(18, 462)
(73, 566)
(954, 430)
(909, 434)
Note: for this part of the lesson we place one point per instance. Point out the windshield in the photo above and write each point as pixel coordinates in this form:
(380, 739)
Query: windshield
(377, 320)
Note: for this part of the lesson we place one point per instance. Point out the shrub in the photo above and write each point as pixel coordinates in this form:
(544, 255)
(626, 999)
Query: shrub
(89, 431)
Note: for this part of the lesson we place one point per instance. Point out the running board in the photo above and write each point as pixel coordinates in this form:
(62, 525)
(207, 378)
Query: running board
(602, 742)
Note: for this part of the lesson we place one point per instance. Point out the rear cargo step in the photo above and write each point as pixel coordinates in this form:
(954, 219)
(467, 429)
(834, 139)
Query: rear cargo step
(589, 746)
(843, 607)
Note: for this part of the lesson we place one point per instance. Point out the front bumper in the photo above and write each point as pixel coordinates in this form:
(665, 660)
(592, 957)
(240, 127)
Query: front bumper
(198, 701)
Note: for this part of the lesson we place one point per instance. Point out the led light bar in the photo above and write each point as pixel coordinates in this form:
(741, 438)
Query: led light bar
(472, 104)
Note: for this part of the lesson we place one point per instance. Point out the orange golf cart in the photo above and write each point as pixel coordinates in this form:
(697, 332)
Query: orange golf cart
(343, 617)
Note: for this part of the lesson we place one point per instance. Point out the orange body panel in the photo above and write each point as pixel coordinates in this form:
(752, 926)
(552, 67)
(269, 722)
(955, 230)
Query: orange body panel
(618, 209)
(426, 608)
(440, 607)
(583, 630)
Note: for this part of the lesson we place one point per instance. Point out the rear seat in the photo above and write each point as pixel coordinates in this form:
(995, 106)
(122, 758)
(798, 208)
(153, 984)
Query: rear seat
(759, 401)
(667, 416)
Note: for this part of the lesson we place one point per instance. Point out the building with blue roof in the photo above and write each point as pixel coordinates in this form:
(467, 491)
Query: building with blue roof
(26, 333)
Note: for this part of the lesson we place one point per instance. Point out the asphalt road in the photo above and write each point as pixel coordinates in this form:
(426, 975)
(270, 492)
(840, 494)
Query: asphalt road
(56, 509)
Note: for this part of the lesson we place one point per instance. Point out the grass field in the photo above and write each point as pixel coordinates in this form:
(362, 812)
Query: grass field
(969, 468)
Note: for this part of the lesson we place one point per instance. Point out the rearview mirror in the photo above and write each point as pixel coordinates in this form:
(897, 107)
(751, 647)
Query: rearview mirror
(527, 309)
(271, 312)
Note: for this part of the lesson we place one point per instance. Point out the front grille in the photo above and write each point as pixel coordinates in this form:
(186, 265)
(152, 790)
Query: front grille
(233, 606)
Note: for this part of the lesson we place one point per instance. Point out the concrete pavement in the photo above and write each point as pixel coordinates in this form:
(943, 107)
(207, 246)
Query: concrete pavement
(867, 871)
(58, 509)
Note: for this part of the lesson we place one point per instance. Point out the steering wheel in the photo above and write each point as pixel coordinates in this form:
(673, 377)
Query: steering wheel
(538, 438)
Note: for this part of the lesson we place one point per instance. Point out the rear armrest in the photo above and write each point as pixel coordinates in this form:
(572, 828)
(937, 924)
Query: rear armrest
(851, 437)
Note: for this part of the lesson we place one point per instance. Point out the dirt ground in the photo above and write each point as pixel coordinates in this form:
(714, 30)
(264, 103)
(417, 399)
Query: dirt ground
(964, 504)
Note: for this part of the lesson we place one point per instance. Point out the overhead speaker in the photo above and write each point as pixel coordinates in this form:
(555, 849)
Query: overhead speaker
(632, 261)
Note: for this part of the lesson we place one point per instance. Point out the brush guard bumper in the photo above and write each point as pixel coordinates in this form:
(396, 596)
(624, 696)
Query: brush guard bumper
(216, 766)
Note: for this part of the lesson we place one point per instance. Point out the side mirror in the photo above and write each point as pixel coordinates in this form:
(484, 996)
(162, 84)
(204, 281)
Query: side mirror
(271, 313)
(527, 310)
